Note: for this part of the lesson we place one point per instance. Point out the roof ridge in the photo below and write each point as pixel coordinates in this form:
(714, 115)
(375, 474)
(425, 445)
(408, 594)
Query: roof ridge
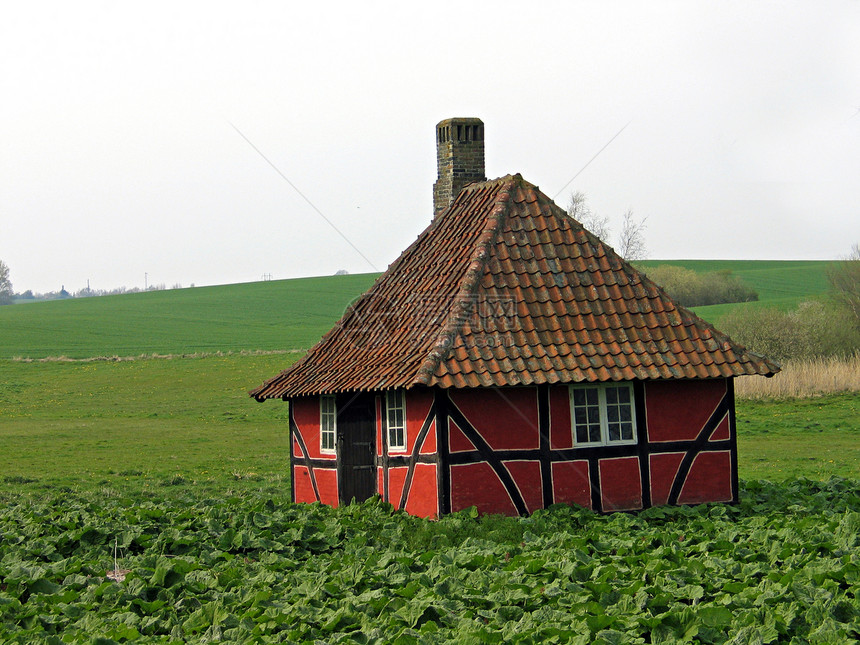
(477, 262)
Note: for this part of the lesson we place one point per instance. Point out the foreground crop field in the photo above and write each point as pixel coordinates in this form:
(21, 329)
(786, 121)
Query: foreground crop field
(782, 566)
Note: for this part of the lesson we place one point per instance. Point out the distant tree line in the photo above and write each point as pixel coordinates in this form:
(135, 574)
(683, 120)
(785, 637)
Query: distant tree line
(89, 293)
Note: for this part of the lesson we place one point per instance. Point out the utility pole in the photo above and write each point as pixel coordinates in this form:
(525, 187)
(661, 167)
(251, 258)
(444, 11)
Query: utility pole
(145, 279)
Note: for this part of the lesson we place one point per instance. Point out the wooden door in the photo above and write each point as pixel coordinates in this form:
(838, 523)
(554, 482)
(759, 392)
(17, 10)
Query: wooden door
(356, 454)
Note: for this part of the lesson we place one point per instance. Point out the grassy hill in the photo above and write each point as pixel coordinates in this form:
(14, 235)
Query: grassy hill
(283, 314)
(277, 315)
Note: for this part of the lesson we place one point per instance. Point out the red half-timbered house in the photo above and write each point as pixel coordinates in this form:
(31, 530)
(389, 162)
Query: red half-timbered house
(509, 360)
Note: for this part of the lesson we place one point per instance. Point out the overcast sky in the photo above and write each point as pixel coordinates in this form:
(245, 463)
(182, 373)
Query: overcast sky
(119, 163)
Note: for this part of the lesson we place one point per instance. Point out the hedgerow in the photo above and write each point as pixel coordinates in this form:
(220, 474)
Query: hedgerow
(780, 566)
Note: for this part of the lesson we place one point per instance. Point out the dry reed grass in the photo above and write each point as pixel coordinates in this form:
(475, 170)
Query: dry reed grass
(804, 378)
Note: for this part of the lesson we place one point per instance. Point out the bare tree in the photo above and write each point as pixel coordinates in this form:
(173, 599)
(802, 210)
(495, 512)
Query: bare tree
(579, 210)
(631, 240)
(6, 292)
(845, 281)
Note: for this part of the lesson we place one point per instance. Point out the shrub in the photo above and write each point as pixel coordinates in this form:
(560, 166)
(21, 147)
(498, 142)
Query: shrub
(845, 284)
(693, 289)
(813, 330)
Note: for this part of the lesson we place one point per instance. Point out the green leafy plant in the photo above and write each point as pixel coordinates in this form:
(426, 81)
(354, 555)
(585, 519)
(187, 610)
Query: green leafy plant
(780, 566)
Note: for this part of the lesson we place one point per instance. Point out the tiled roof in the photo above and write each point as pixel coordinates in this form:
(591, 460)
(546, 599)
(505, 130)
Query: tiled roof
(504, 288)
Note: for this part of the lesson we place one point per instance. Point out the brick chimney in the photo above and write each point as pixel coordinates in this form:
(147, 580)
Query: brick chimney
(459, 158)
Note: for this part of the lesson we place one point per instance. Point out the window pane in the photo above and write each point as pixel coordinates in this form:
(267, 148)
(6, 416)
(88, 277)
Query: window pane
(611, 395)
(614, 433)
(612, 414)
(624, 394)
(625, 414)
(594, 432)
(579, 397)
(591, 395)
(627, 431)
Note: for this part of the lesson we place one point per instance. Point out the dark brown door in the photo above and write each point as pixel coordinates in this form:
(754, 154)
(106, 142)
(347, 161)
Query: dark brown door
(356, 434)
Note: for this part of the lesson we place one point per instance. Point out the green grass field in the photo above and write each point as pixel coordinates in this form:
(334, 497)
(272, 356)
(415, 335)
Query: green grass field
(140, 423)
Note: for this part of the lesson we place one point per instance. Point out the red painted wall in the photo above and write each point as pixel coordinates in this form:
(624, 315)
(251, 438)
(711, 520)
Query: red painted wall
(678, 410)
(423, 499)
(526, 475)
(303, 490)
(707, 481)
(664, 468)
(675, 411)
(570, 483)
(478, 485)
(560, 436)
(620, 484)
(418, 406)
(506, 418)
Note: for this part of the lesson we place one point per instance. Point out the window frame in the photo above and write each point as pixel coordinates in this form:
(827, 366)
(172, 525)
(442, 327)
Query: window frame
(603, 414)
(393, 406)
(328, 424)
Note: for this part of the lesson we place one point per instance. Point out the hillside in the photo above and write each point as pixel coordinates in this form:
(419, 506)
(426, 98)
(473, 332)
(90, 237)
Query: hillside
(281, 315)
(276, 315)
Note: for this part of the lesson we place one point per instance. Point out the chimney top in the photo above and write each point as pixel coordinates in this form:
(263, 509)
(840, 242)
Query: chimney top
(459, 159)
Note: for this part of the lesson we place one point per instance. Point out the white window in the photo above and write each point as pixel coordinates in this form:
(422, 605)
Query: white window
(602, 415)
(395, 414)
(328, 423)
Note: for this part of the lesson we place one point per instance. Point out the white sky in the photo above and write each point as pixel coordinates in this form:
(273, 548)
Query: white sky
(117, 157)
